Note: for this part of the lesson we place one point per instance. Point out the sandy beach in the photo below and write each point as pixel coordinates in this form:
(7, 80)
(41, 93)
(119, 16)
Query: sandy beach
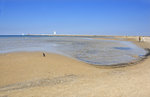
(29, 74)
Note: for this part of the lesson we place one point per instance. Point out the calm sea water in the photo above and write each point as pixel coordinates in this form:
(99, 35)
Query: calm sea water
(87, 49)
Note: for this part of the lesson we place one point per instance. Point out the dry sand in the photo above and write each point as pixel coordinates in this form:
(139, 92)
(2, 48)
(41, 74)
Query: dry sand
(29, 74)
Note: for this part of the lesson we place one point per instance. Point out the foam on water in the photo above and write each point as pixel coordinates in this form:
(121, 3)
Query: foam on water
(93, 51)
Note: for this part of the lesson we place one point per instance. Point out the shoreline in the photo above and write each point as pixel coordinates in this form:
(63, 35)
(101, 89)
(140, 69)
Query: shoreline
(134, 62)
(29, 74)
(133, 39)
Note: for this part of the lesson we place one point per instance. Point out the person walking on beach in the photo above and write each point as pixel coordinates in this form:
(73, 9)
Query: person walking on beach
(139, 38)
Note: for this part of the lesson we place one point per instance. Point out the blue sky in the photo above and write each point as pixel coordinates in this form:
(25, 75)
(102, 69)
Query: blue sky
(93, 17)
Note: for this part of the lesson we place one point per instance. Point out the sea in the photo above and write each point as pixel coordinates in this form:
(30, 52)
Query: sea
(88, 49)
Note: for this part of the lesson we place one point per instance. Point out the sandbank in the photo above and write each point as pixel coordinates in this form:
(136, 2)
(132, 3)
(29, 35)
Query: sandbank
(29, 74)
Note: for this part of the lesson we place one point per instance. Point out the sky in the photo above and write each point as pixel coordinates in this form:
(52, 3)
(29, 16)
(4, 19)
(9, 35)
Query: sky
(77, 17)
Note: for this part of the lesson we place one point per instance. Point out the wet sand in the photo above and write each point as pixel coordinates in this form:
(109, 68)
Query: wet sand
(29, 74)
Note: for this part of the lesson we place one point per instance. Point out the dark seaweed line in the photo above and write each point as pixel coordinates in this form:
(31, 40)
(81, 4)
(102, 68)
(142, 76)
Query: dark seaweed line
(39, 83)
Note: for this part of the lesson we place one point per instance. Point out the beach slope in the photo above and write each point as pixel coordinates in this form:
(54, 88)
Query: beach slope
(29, 74)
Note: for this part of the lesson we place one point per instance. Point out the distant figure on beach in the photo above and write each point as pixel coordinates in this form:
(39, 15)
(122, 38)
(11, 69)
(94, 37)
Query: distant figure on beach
(139, 38)
(44, 55)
